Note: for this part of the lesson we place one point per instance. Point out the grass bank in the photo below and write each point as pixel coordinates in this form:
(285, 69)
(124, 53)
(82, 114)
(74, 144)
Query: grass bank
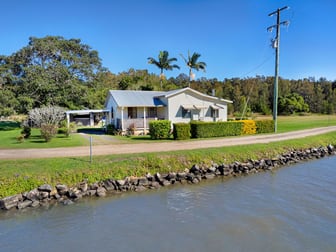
(23, 175)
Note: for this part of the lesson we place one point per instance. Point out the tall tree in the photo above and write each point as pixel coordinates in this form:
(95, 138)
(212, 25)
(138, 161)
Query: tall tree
(54, 71)
(193, 63)
(164, 63)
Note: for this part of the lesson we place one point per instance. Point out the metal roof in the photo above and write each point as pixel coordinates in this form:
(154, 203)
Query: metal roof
(86, 111)
(136, 98)
(178, 91)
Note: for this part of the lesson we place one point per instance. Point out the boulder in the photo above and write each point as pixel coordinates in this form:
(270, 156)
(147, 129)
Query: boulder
(101, 192)
(91, 192)
(149, 177)
(209, 176)
(121, 182)
(83, 186)
(109, 185)
(158, 177)
(154, 185)
(75, 193)
(24, 204)
(143, 181)
(140, 188)
(170, 176)
(195, 169)
(45, 188)
(62, 189)
(43, 195)
(33, 195)
(10, 201)
(35, 204)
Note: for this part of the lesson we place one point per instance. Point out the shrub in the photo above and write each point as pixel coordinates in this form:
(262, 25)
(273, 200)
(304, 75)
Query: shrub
(64, 129)
(249, 127)
(46, 115)
(159, 129)
(215, 129)
(26, 131)
(48, 131)
(111, 130)
(21, 138)
(265, 126)
(181, 131)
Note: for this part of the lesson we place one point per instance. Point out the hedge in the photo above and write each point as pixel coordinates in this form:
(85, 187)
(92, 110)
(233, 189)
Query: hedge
(181, 131)
(159, 129)
(265, 126)
(215, 129)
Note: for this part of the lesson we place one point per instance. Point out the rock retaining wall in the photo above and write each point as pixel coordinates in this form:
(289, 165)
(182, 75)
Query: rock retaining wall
(47, 194)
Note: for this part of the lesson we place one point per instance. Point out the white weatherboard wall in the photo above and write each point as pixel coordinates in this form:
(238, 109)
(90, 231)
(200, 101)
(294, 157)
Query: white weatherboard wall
(176, 102)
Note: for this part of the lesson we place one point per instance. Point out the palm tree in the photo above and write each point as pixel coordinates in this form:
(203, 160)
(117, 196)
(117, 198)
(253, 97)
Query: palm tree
(164, 63)
(192, 63)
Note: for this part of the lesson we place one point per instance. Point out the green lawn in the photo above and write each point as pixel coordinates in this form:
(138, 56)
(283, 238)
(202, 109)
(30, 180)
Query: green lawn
(292, 123)
(8, 139)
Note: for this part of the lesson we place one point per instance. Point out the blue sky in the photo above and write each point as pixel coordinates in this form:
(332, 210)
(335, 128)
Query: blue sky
(231, 36)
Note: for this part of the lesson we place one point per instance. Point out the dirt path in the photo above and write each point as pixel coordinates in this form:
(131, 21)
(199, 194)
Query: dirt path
(158, 147)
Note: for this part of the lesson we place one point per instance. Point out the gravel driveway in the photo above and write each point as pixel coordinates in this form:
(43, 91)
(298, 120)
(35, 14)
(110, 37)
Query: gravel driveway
(157, 146)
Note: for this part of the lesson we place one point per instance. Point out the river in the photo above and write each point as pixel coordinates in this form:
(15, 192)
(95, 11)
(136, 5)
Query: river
(290, 209)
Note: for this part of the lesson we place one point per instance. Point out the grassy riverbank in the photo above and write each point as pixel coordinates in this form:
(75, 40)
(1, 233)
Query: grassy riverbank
(22, 175)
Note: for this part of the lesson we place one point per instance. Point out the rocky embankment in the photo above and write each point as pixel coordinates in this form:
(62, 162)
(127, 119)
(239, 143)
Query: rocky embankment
(47, 194)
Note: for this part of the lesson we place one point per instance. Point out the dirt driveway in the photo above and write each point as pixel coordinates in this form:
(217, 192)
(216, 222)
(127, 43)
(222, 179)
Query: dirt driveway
(157, 146)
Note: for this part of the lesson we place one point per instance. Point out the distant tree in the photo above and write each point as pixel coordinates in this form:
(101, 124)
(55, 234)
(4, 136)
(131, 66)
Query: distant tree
(193, 63)
(164, 63)
(291, 104)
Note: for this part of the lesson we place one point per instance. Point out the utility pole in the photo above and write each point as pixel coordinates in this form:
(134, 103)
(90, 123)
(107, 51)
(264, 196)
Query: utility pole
(276, 45)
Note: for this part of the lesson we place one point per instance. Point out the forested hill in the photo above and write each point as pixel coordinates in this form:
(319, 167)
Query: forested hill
(56, 71)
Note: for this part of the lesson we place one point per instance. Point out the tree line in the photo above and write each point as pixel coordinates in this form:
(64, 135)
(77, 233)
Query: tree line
(53, 71)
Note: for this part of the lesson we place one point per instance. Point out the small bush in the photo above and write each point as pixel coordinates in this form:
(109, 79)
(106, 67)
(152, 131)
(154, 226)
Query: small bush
(264, 126)
(26, 131)
(48, 131)
(159, 129)
(111, 130)
(181, 131)
(64, 129)
(21, 138)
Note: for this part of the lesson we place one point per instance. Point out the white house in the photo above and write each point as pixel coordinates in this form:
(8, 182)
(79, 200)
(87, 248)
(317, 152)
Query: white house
(135, 109)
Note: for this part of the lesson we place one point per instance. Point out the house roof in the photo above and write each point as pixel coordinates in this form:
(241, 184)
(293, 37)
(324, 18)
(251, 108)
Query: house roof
(178, 91)
(85, 111)
(136, 98)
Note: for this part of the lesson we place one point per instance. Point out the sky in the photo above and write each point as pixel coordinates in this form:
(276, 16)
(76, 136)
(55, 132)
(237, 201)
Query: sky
(230, 35)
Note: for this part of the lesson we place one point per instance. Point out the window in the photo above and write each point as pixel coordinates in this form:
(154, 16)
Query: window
(112, 113)
(214, 113)
(132, 112)
(152, 112)
(186, 113)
